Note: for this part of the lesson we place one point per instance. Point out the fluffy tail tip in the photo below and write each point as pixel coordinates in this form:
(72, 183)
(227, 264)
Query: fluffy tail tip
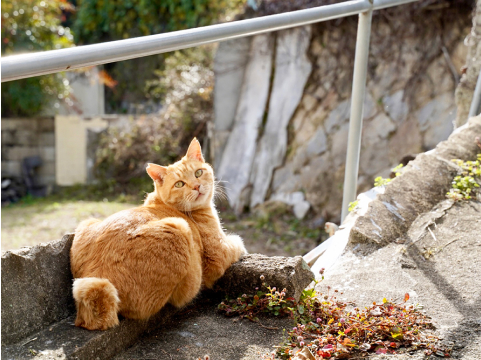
(97, 303)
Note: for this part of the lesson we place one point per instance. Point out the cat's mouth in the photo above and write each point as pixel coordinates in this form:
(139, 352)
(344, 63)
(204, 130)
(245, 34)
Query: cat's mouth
(198, 196)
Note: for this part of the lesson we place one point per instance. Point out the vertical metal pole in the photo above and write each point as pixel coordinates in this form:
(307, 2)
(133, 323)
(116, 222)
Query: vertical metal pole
(474, 109)
(357, 107)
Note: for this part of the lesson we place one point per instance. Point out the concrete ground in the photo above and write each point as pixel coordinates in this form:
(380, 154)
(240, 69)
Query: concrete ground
(437, 264)
(200, 330)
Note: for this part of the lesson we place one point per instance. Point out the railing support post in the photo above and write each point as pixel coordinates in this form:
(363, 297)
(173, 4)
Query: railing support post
(357, 107)
(474, 109)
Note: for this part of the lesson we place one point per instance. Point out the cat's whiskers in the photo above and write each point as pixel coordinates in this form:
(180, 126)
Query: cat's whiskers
(219, 191)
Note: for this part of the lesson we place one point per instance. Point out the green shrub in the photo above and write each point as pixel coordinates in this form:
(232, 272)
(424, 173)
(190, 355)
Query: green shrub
(99, 21)
(185, 85)
(29, 26)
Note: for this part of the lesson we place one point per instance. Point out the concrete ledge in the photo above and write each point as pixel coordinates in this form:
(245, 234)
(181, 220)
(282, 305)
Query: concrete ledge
(424, 183)
(36, 288)
(38, 310)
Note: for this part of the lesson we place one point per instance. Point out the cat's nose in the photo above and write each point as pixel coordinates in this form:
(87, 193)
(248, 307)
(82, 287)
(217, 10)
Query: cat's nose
(197, 187)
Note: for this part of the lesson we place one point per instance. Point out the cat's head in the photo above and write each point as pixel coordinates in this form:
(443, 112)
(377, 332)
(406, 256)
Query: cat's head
(187, 184)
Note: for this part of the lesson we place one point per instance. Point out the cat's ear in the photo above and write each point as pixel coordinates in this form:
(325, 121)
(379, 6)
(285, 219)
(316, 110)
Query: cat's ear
(156, 172)
(195, 152)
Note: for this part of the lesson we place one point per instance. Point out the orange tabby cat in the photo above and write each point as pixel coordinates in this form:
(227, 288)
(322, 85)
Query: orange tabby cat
(137, 260)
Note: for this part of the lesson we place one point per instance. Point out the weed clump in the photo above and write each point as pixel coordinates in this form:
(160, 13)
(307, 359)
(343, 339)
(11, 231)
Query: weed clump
(380, 181)
(465, 185)
(272, 301)
(328, 328)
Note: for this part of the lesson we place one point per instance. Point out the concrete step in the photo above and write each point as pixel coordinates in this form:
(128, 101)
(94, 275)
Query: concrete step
(63, 340)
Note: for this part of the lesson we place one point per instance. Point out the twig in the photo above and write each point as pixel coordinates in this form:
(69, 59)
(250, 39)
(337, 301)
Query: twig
(450, 64)
(267, 327)
(170, 355)
(26, 342)
(449, 243)
(432, 234)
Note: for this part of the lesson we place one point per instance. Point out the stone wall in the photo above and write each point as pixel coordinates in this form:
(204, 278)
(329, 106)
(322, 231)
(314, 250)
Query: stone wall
(283, 135)
(29, 137)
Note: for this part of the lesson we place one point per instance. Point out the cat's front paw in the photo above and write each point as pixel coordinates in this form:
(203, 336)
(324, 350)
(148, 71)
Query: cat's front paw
(238, 245)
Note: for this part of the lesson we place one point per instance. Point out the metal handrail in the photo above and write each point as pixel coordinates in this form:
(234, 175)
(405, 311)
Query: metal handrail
(21, 66)
(34, 64)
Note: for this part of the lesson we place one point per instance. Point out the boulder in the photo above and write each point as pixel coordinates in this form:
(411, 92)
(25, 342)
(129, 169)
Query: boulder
(396, 107)
(229, 68)
(423, 183)
(297, 200)
(465, 89)
(243, 277)
(436, 119)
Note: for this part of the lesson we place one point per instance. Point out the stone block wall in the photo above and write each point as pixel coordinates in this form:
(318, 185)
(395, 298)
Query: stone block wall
(29, 137)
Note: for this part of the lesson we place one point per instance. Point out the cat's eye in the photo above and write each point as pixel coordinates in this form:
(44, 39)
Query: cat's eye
(179, 184)
(198, 173)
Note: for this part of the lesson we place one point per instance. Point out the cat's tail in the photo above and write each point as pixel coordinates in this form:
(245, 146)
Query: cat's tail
(97, 303)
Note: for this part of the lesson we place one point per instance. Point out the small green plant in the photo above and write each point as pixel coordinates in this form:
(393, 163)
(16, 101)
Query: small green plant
(272, 301)
(352, 205)
(397, 170)
(465, 184)
(380, 181)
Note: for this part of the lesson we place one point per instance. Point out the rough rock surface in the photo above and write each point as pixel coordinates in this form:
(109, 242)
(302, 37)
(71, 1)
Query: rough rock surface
(417, 190)
(408, 107)
(241, 144)
(229, 67)
(281, 272)
(36, 288)
(38, 309)
(63, 340)
(292, 70)
(430, 248)
(436, 264)
(465, 89)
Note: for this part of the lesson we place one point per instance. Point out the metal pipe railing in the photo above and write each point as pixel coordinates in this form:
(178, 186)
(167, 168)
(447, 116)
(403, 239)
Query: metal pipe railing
(34, 64)
(16, 67)
(357, 109)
